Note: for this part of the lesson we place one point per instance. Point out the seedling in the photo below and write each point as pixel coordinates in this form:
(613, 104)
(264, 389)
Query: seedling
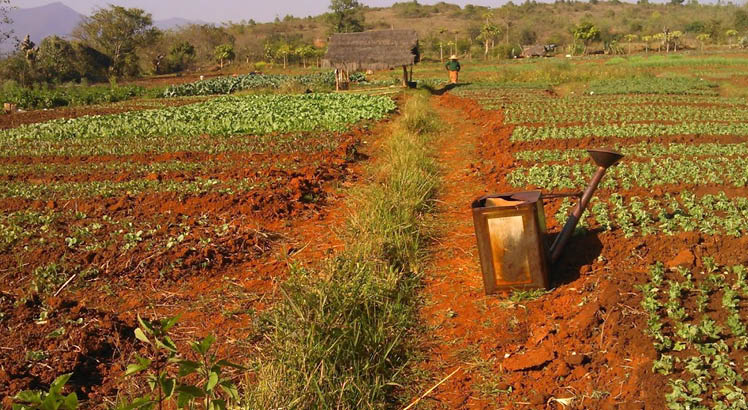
(213, 390)
(51, 400)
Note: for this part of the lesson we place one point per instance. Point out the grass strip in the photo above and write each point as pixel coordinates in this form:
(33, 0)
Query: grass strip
(341, 337)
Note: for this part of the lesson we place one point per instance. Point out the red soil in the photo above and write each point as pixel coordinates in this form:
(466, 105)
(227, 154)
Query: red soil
(583, 340)
(289, 220)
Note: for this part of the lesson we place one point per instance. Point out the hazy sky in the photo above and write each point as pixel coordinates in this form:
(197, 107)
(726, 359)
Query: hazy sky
(225, 10)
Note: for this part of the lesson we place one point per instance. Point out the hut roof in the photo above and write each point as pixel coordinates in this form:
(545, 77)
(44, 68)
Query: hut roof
(533, 51)
(372, 50)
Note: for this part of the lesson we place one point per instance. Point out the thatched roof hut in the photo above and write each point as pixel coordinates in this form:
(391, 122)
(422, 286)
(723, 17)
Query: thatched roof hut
(533, 51)
(372, 50)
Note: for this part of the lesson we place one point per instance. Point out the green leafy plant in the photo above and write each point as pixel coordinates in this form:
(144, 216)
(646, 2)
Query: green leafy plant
(212, 389)
(54, 399)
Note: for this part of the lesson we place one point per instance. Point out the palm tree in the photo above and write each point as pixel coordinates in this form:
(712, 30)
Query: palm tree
(630, 38)
(731, 34)
(647, 40)
(703, 38)
(488, 34)
(441, 43)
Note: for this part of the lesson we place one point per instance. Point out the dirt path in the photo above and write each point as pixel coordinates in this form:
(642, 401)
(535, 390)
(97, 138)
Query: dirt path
(577, 346)
(454, 286)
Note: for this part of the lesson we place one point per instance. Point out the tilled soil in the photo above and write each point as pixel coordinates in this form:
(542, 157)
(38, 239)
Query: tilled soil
(218, 283)
(581, 345)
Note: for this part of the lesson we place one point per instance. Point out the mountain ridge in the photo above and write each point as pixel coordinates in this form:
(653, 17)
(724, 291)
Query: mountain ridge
(58, 19)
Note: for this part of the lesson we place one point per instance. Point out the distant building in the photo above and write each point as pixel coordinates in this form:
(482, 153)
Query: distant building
(538, 51)
(372, 50)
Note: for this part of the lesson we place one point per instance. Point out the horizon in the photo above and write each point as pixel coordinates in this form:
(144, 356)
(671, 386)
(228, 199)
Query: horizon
(223, 11)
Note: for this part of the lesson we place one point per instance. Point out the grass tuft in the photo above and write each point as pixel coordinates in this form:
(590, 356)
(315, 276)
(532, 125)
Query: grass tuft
(342, 337)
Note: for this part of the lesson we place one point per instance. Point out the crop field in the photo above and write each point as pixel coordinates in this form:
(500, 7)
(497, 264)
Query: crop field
(158, 209)
(323, 244)
(671, 222)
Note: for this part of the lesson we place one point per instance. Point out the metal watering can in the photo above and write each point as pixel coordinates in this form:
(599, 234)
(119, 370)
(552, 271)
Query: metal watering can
(511, 230)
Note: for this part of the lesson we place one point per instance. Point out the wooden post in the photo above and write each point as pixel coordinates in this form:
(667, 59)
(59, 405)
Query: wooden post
(405, 76)
(341, 79)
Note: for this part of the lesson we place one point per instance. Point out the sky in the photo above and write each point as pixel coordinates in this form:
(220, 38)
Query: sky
(218, 11)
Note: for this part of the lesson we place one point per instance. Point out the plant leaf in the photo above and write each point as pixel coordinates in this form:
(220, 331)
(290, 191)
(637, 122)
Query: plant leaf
(29, 396)
(226, 363)
(59, 383)
(187, 367)
(192, 390)
(212, 381)
(168, 385)
(141, 336)
(138, 367)
(146, 325)
(70, 402)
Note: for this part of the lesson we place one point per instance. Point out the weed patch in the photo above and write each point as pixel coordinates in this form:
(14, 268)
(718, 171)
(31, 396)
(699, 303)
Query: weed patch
(340, 337)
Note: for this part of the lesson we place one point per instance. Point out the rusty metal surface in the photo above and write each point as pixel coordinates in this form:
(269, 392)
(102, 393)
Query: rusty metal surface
(604, 159)
(510, 229)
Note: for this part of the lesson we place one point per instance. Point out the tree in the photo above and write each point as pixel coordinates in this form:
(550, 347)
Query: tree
(56, 60)
(488, 34)
(630, 38)
(5, 21)
(224, 52)
(180, 57)
(703, 38)
(305, 51)
(741, 19)
(660, 38)
(731, 34)
(284, 51)
(442, 31)
(346, 16)
(205, 38)
(27, 47)
(587, 33)
(647, 41)
(118, 32)
(675, 37)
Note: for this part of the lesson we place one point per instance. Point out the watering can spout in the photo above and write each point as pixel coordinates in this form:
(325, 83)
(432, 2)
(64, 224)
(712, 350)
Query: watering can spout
(604, 159)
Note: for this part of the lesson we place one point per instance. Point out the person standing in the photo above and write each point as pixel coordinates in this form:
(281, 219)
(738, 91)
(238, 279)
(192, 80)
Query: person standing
(453, 66)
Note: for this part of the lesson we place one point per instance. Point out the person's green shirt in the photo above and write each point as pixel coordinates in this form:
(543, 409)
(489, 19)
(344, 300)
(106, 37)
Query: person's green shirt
(453, 65)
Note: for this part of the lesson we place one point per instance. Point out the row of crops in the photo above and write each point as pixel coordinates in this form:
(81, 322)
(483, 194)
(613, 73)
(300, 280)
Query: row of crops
(253, 114)
(600, 114)
(228, 85)
(651, 160)
(655, 172)
(684, 172)
(231, 148)
(697, 321)
(670, 214)
(638, 151)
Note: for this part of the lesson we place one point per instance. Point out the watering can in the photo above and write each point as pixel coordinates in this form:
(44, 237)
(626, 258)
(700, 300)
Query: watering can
(511, 231)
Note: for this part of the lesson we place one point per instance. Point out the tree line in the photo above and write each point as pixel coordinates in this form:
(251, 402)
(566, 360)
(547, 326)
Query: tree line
(118, 42)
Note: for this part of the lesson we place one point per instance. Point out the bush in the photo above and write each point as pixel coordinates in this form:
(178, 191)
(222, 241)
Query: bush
(508, 50)
(41, 96)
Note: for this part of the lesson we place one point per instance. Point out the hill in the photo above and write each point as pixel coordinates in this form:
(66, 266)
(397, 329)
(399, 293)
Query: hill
(40, 22)
(60, 20)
